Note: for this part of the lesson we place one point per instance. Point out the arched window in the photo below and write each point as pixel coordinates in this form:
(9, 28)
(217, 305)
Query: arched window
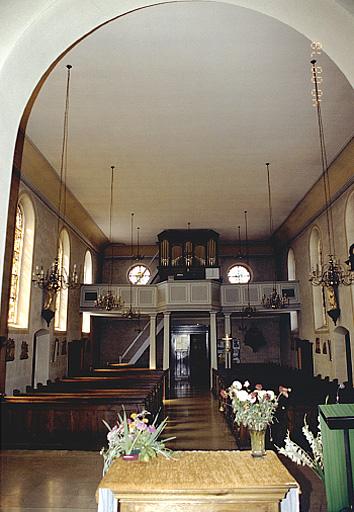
(319, 307)
(88, 277)
(21, 273)
(239, 274)
(61, 305)
(349, 228)
(139, 274)
(292, 277)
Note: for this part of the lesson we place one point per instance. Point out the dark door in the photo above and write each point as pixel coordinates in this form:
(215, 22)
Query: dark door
(304, 356)
(199, 363)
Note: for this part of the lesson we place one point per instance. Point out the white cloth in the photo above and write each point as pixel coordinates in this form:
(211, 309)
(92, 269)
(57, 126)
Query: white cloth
(291, 502)
(108, 503)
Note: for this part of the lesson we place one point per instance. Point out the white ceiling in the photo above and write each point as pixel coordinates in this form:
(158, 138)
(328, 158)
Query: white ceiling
(189, 100)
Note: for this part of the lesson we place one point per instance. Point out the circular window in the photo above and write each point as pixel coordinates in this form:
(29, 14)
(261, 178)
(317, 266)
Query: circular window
(238, 274)
(139, 274)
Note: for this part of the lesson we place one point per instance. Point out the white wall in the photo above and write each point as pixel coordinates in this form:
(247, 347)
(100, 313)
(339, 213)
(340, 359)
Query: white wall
(322, 364)
(18, 372)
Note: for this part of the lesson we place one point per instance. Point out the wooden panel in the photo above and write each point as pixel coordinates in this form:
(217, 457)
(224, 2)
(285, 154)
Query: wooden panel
(198, 481)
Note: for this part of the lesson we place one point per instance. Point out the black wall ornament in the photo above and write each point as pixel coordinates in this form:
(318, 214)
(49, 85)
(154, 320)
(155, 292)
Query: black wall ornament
(350, 261)
(24, 350)
(254, 338)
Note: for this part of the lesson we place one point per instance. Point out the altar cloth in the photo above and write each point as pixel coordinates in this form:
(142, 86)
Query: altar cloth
(198, 481)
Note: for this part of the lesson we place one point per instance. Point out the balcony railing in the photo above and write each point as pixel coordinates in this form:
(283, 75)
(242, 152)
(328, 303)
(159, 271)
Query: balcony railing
(203, 295)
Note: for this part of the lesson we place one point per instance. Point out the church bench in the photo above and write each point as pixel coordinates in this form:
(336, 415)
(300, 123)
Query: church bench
(65, 420)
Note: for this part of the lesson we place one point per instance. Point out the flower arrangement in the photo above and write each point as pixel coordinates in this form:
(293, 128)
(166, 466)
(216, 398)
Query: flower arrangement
(253, 409)
(301, 457)
(134, 438)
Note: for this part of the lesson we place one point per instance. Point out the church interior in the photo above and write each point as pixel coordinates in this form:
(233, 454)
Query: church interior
(177, 214)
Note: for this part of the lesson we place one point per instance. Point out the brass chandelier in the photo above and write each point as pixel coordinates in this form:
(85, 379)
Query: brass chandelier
(273, 300)
(56, 278)
(108, 300)
(332, 273)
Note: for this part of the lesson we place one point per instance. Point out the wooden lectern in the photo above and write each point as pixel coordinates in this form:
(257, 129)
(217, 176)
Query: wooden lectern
(337, 427)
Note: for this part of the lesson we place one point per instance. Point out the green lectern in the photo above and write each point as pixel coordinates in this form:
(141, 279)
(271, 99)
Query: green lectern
(337, 426)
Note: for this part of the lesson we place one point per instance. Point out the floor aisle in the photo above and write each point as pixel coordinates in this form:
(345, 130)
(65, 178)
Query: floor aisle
(58, 481)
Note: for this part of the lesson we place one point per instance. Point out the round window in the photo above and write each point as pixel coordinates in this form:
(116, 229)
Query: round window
(139, 274)
(238, 274)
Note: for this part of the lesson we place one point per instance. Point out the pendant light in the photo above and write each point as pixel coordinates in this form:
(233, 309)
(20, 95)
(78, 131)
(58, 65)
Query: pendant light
(108, 300)
(274, 300)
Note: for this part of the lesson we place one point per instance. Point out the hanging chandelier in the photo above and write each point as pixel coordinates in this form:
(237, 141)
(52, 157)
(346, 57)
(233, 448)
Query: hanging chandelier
(108, 300)
(56, 278)
(130, 313)
(273, 300)
(332, 273)
(248, 311)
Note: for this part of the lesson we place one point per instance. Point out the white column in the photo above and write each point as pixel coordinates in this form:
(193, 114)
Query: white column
(213, 342)
(152, 362)
(227, 320)
(166, 341)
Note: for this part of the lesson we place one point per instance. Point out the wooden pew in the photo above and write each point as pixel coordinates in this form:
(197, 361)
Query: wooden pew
(71, 418)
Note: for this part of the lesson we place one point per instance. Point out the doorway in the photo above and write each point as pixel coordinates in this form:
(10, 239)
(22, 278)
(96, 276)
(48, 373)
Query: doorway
(190, 357)
(343, 355)
(41, 357)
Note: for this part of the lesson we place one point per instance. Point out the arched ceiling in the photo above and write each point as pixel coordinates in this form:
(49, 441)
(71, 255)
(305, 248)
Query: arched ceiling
(189, 100)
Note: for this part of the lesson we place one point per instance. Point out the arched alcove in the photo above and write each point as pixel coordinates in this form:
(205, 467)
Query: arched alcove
(40, 357)
(343, 355)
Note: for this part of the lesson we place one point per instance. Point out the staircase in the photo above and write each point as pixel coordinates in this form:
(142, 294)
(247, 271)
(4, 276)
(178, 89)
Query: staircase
(139, 344)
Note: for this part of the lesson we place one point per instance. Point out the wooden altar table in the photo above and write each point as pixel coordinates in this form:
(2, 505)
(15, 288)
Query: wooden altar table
(199, 481)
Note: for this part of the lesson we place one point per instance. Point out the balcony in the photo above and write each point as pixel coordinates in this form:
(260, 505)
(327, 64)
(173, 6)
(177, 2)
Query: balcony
(204, 295)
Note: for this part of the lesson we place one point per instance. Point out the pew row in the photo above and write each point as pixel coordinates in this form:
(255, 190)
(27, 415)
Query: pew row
(71, 418)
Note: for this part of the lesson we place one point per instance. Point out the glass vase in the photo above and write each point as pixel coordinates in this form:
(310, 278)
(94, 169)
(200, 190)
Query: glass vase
(257, 442)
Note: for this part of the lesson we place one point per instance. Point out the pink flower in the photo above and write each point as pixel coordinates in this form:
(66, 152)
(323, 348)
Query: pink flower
(223, 393)
(259, 387)
(151, 429)
(284, 391)
(140, 425)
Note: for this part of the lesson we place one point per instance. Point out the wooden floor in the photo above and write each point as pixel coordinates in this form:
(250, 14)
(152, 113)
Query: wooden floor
(58, 481)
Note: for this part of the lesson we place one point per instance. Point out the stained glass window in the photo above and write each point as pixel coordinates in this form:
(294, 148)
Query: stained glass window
(238, 274)
(139, 274)
(16, 266)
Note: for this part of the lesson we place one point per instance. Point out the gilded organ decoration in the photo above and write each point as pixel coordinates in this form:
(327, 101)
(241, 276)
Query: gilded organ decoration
(186, 253)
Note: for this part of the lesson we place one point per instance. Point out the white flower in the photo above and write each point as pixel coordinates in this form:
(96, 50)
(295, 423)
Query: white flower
(261, 394)
(252, 398)
(242, 395)
(271, 394)
(246, 384)
(236, 384)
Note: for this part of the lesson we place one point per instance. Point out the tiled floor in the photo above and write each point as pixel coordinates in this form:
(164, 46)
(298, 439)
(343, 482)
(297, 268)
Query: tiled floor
(58, 481)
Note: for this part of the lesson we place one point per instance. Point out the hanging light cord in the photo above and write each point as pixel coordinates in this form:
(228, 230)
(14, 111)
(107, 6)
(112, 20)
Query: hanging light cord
(64, 157)
(110, 226)
(271, 218)
(247, 256)
(324, 161)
